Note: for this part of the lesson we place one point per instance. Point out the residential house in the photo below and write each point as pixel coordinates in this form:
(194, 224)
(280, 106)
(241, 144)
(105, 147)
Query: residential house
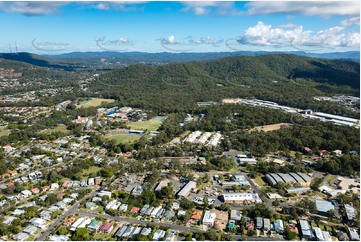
(54, 186)
(90, 206)
(236, 215)
(18, 212)
(21, 236)
(146, 231)
(208, 218)
(278, 225)
(84, 223)
(106, 228)
(38, 222)
(266, 224)
(159, 234)
(75, 225)
(46, 215)
(170, 236)
(353, 234)
(121, 231)
(318, 233)
(337, 152)
(259, 223)
(113, 205)
(30, 230)
(68, 221)
(134, 210)
(306, 231)
(9, 220)
(94, 225)
(123, 207)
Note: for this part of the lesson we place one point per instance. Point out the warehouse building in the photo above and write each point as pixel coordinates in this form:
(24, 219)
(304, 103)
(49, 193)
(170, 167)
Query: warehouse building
(184, 192)
(274, 178)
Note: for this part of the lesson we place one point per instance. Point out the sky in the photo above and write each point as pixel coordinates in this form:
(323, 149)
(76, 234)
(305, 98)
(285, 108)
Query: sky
(148, 26)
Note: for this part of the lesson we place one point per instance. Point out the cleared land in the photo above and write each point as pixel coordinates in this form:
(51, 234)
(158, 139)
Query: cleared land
(271, 127)
(94, 102)
(150, 125)
(123, 138)
(60, 128)
(4, 132)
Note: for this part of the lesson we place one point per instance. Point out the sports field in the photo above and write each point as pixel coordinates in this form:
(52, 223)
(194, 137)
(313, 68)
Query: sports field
(123, 138)
(150, 125)
(94, 102)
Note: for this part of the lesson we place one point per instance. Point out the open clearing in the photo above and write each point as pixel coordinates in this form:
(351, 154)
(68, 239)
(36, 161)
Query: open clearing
(60, 128)
(271, 127)
(150, 125)
(94, 102)
(123, 138)
(4, 132)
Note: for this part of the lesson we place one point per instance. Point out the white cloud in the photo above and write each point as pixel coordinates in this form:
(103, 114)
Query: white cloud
(265, 35)
(199, 8)
(117, 6)
(31, 8)
(350, 21)
(319, 8)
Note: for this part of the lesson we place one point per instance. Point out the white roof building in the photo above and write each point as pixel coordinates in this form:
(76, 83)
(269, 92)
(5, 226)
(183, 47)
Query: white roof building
(318, 233)
(241, 197)
(279, 228)
(158, 234)
(208, 218)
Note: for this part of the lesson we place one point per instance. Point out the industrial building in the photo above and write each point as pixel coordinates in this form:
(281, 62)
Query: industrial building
(241, 197)
(184, 192)
(300, 178)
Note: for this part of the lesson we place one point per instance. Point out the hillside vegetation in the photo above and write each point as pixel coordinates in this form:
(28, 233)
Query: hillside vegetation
(287, 79)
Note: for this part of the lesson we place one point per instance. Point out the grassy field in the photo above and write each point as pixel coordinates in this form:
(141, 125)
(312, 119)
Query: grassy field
(4, 132)
(150, 125)
(123, 138)
(259, 181)
(94, 102)
(92, 169)
(60, 128)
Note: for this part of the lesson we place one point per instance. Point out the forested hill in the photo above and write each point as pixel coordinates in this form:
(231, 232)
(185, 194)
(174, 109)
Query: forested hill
(287, 79)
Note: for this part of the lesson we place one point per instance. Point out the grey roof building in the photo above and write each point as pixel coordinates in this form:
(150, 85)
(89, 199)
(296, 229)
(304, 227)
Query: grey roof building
(323, 207)
(259, 223)
(306, 230)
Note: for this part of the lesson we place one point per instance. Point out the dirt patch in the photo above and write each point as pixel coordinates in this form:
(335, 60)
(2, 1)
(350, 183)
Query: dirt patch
(221, 219)
(271, 127)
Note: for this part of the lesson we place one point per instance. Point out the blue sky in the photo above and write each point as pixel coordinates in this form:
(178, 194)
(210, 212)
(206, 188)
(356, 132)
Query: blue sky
(58, 27)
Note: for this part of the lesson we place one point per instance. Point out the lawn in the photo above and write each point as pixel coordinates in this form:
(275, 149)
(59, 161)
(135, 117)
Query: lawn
(150, 125)
(91, 170)
(94, 102)
(60, 128)
(259, 181)
(123, 138)
(4, 132)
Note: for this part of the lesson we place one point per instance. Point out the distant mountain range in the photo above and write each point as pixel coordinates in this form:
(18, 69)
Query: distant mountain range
(113, 60)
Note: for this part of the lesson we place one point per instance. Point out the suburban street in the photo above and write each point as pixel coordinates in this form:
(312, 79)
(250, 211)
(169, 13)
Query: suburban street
(59, 220)
(137, 221)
